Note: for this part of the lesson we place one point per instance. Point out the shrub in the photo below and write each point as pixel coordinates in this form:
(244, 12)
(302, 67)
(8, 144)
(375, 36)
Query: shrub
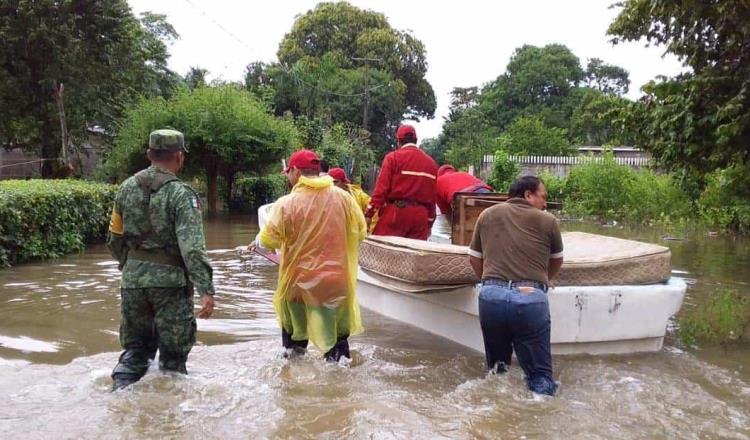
(250, 193)
(42, 219)
(504, 172)
(724, 203)
(555, 186)
(603, 188)
(655, 197)
(724, 319)
(598, 187)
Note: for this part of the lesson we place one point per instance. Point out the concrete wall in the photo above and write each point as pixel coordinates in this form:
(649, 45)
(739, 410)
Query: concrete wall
(20, 164)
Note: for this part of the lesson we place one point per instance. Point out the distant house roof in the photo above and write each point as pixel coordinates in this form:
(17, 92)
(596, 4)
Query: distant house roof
(621, 148)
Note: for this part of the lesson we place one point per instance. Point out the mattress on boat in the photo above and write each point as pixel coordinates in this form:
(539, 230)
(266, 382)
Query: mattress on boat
(590, 260)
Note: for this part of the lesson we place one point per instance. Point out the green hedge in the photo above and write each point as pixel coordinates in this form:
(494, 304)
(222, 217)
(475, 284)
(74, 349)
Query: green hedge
(609, 191)
(250, 193)
(42, 219)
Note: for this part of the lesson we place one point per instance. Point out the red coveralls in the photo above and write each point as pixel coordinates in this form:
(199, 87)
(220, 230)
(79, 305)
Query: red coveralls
(404, 195)
(451, 183)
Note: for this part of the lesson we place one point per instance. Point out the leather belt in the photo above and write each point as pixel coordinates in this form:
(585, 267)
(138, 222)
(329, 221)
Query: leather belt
(403, 203)
(517, 283)
(156, 256)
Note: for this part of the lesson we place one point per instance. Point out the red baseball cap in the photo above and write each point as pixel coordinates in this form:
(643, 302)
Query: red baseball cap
(446, 169)
(303, 160)
(404, 131)
(338, 174)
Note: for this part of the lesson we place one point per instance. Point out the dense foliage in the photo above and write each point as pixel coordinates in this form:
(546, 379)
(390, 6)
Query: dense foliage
(250, 193)
(504, 172)
(544, 103)
(42, 219)
(529, 136)
(723, 319)
(345, 32)
(226, 130)
(724, 203)
(603, 188)
(103, 55)
(701, 118)
(335, 52)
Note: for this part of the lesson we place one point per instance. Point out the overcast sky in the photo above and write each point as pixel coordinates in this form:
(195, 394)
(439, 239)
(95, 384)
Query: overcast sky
(468, 42)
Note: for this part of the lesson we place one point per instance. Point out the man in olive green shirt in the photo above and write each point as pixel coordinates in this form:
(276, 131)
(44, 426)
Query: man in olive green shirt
(156, 234)
(516, 249)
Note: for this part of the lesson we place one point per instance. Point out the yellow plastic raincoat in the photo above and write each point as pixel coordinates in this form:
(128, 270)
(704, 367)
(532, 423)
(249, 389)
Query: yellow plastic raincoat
(363, 200)
(318, 228)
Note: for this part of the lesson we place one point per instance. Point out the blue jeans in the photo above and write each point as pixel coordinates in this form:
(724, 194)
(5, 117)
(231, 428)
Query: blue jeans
(512, 320)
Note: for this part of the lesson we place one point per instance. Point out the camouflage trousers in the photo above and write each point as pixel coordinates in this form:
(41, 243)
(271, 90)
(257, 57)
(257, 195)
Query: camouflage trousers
(154, 318)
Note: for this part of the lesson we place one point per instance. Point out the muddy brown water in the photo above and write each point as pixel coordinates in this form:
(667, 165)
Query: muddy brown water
(58, 343)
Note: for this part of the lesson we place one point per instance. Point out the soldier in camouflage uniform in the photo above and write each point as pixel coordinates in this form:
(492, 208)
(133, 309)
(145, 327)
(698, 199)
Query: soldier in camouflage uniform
(156, 234)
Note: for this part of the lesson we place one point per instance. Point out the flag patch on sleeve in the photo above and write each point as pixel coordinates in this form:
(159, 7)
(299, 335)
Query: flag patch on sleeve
(195, 202)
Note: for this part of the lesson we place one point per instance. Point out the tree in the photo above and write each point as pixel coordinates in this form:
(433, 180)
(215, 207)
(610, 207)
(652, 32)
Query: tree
(463, 98)
(196, 78)
(436, 147)
(102, 54)
(599, 120)
(696, 121)
(607, 78)
(321, 90)
(347, 37)
(469, 138)
(529, 136)
(346, 147)
(535, 79)
(226, 129)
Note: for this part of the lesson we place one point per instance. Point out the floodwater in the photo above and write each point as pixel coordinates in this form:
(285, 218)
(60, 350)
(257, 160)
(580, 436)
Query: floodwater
(58, 344)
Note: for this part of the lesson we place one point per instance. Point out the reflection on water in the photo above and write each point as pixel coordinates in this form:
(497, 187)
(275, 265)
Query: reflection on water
(58, 343)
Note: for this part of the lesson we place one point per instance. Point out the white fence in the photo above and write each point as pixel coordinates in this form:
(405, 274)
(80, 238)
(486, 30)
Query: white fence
(560, 165)
(633, 161)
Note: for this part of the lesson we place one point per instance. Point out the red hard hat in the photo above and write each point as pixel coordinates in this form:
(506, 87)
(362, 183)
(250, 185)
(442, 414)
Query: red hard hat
(303, 160)
(338, 174)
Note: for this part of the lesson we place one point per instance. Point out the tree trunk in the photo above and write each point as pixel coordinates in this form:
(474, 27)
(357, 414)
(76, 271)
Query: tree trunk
(50, 151)
(229, 183)
(212, 174)
(52, 166)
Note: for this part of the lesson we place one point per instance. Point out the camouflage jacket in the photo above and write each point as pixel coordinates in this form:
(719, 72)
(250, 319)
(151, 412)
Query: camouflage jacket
(171, 228)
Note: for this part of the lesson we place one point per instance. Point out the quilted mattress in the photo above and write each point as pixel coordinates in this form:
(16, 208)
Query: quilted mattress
(590, 260)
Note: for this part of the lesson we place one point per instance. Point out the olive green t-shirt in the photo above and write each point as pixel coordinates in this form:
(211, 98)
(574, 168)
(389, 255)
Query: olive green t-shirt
(515, 241)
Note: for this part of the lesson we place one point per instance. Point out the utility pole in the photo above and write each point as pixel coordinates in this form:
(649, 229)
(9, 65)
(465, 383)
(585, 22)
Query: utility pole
(366, 99)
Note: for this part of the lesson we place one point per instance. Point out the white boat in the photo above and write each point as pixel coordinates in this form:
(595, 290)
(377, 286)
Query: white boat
(586, 319)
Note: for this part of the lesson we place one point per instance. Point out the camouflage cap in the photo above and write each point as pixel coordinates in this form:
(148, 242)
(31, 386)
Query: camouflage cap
(166, 139)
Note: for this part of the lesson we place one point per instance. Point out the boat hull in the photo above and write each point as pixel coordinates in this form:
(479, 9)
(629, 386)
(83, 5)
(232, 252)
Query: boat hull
(591, 320)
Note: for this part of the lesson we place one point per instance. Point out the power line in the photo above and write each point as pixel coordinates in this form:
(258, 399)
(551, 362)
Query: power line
(288, 70)
(217, 24)
(366, 104)
(330, 92)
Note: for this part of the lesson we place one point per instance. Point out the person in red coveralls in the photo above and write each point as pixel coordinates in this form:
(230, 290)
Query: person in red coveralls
(404, 195)
(450, 181)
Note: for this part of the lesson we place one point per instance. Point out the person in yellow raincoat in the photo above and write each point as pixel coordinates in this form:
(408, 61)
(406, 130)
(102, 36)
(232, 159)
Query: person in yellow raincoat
(318, 228)
(363, 199)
